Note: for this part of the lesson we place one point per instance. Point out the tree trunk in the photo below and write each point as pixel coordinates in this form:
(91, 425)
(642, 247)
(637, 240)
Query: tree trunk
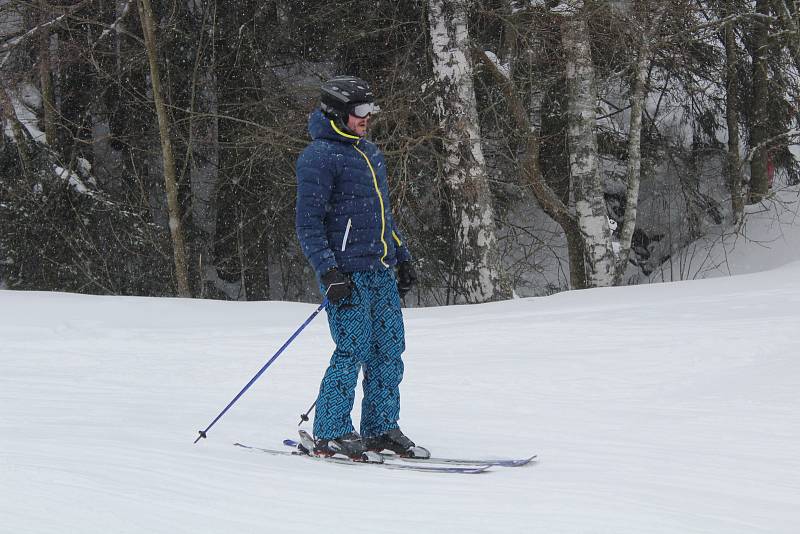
(634, 171)
(589, 201)
(204, 149)
(531, 173)
(45, 79)
(732, 116)
(759, 181)
(170, 182)
(204, 172)
(476, 254)
(18, 133)
(108, 162)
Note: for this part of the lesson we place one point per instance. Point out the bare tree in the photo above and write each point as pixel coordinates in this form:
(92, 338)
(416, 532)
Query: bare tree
(175, 224)
(590, 205)
(17, 133)
(475, 243)
(644, 20)
(232, 90)
(203, 146)
(732, 113)
(45, 81)
(759, 181)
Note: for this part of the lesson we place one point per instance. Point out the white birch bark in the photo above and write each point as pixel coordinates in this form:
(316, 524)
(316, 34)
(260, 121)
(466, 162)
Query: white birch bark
(476, 261)
(528, 119)
(634, 170)
(589, 202)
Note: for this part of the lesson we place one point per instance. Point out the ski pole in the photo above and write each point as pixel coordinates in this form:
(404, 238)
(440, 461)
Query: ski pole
(203, 433)
(304, 416)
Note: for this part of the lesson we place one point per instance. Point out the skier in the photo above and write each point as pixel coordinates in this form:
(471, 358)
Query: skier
(346, 230)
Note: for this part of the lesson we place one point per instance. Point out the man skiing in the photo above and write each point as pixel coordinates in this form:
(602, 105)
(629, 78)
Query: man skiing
(346, 230)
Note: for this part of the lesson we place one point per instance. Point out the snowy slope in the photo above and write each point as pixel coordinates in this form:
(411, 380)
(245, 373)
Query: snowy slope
(668, 408)
(768, 238)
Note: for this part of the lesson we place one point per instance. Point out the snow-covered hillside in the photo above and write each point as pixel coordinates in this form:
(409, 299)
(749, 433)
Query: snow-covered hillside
(768, 238)
(668, 408)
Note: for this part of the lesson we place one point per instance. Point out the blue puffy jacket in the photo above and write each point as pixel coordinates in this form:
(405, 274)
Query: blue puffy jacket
(344, 218)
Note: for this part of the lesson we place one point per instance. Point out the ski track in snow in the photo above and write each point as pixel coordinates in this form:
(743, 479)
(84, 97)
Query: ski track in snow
(669, 408)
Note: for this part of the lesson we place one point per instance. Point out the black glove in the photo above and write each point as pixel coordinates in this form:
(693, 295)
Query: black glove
(406, 277)
(337, 286)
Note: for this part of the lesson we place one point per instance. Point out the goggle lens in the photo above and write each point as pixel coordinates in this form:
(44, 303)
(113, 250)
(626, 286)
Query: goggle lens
(364, 110)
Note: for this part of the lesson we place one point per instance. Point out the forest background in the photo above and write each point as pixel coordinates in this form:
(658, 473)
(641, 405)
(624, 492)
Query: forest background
(533, 146)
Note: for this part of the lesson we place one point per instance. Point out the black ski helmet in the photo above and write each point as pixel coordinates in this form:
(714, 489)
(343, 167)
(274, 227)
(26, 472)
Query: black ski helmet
(341, 94)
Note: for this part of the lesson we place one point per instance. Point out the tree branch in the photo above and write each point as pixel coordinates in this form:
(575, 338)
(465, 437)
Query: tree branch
(529, 165)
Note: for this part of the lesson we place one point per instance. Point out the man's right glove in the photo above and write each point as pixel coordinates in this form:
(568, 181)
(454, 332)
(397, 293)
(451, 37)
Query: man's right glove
(337, 286)
(406, 277)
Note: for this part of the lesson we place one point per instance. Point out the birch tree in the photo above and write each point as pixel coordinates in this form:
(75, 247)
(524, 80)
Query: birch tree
(643, 22)
(584, 173)
(580, 210)
(238, 85)
(526, 125)
(476, 261)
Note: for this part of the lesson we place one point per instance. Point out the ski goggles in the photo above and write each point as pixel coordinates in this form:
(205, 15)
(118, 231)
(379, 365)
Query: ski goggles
(364, 110)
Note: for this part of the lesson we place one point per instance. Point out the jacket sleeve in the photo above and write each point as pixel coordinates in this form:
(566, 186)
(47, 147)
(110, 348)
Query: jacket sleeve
(314, 187)
(401, 249)
(402, 252)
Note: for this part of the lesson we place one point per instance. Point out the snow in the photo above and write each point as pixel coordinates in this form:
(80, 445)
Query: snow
(29, 96)
(72, 179)
(518, 6)
(84, 166)
(769, 238)
(24, 105)
(663, 408)
(795, 151)
(502, 68)
(567, 7)
(117, 25)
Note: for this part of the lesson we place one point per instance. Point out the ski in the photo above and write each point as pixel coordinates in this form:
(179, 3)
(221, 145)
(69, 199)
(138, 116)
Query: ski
(504, 462)
(465, 469)
(518, 462)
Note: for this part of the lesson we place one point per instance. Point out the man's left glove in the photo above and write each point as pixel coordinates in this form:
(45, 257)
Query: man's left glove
(406, 277)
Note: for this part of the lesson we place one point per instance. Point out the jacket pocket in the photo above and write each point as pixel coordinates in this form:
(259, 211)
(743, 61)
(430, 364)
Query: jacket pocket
(346, 233)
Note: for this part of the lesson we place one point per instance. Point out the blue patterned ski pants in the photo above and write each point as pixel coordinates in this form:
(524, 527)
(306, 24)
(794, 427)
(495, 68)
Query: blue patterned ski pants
(368, 331)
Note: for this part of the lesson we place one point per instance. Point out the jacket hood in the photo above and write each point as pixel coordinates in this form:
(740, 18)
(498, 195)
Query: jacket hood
(322, 127)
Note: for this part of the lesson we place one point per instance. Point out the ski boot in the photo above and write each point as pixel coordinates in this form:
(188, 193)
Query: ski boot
(397, 442)
(349, 445)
